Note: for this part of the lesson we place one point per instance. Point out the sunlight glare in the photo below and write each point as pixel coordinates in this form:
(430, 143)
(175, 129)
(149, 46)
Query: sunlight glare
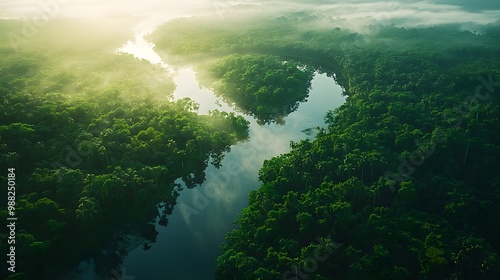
(138, 8)
(141, 49)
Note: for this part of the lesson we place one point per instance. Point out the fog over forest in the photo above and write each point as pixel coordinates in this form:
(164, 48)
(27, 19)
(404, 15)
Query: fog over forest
(404, 12)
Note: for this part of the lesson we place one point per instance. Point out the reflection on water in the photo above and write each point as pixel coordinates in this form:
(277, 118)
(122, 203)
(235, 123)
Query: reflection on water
(141, 49)
(188, 246)
(187, 86)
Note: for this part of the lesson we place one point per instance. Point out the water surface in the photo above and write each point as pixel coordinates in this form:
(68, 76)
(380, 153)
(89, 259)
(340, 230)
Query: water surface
(188, 246)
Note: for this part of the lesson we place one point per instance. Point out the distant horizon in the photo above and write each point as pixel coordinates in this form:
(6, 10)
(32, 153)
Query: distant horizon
(359, 12)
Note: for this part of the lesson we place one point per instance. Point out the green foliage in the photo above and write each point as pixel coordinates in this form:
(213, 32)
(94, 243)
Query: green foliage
(262, 86)
(96, 144)
(405, 178)
(402, 185)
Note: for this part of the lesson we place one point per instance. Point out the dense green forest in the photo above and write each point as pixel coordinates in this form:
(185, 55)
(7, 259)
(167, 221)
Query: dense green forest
(404, 183)
(96, 143)
(261, 86)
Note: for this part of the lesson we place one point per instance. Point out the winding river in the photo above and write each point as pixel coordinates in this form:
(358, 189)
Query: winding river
(188, 247)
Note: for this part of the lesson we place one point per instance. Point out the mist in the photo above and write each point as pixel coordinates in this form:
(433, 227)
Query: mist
(400, 13)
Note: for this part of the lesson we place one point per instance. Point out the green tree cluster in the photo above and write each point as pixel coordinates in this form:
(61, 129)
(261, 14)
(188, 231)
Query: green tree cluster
(261, 85)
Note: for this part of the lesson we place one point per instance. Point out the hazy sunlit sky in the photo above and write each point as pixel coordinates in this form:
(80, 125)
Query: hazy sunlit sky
(405, 12)
(100, 8)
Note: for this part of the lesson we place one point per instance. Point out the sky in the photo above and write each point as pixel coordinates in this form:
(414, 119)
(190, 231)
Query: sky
(402, 12)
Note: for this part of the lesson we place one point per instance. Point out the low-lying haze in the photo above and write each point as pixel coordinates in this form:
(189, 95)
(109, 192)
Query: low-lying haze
(403, 12)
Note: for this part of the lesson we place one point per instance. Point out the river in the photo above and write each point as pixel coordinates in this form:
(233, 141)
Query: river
(188, 247)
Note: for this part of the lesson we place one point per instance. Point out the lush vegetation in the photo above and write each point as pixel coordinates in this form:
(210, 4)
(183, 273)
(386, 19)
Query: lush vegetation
(403, 184)
(96, 145)
(262, 86)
